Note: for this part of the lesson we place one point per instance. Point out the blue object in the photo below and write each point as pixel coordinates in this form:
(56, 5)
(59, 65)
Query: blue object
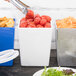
(7, 41)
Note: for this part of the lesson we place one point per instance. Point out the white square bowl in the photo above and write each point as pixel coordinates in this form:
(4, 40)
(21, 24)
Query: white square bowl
(35, 46)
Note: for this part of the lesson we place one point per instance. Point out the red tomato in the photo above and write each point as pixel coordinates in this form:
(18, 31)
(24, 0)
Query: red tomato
(43, 21)
(47, 25)
(30, 14)
(39, 26)
(31, 25)
(48, 18)
(29, 20)
(37, 15)
(23, 24)
(37, 20)
(22, 20)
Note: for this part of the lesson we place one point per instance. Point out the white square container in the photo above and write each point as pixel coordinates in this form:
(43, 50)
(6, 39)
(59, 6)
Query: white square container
(35, 43)
(35, 46)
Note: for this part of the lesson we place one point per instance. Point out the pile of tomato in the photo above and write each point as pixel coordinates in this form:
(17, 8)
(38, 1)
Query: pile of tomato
(32, 20)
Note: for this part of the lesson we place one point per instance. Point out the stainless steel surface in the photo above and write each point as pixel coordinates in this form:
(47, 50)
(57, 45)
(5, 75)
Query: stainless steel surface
(20, 5)
(66, 46)
(71, 54)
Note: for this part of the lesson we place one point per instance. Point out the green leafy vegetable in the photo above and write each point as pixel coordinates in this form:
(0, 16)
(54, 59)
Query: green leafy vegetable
(54, 72)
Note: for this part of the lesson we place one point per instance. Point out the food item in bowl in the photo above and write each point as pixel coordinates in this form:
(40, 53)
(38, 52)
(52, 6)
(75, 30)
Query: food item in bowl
(31, 25)
(46, 17)
(39, 26)
(3, 19)
(37, 20)
(56, 72)
(10, 23)
(3, 23)
(30, 14)
(43, 21)
(6, 22)
(37, 15)
(68, 72)
(32, 20)
(47, 25)
(23, 22)
(68, 22)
